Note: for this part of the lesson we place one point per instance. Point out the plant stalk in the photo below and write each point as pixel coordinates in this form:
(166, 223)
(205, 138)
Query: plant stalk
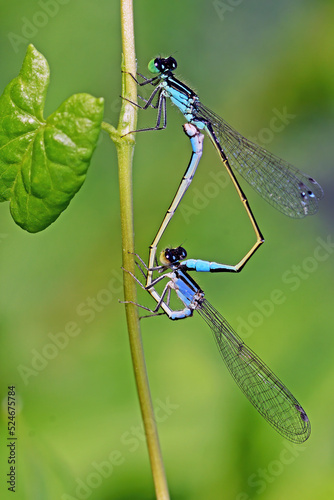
(125, 149)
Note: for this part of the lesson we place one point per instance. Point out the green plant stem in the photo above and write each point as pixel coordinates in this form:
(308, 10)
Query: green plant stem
(125, 150)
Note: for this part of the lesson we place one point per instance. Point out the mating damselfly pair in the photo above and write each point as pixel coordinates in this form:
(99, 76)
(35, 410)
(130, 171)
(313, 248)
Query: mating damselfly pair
(282, 185)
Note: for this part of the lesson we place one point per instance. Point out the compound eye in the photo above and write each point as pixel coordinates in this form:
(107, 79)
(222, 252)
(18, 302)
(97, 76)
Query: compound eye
(168, 256)
(154, 66)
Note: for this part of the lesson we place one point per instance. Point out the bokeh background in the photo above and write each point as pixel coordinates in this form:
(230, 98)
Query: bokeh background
(79, 427)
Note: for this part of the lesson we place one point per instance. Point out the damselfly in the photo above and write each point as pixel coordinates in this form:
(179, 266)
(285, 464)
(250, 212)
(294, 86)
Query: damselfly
(260, 385)
(285, 187)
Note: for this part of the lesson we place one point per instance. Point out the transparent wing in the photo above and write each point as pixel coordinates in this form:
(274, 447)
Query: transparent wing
(259, 384)
(285, 187)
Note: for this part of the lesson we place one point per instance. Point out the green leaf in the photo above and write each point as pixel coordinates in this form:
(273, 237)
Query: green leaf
(43, 163)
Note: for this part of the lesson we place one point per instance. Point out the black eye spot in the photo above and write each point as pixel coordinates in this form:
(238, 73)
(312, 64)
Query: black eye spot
(168, 254)
(171, 63)
(171, 255)
(181, 253)
(158, 64)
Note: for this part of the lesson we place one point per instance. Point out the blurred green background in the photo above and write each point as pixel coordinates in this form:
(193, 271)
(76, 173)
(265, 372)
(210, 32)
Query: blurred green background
(79, 427)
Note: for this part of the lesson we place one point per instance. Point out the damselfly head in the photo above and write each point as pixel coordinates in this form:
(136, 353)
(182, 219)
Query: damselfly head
(162, 65)
(172, 255)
